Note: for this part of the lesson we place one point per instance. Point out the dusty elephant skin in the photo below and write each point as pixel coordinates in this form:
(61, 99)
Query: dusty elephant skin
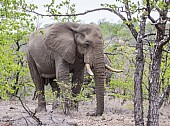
(65, 48)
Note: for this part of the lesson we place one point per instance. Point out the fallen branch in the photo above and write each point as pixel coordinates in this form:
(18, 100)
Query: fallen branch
(30, 112)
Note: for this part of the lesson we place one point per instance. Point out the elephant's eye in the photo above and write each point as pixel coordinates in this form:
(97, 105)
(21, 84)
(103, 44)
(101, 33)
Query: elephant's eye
(87, 45)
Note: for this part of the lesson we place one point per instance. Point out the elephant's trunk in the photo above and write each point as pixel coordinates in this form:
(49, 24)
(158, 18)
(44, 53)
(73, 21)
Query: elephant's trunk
(99, 76)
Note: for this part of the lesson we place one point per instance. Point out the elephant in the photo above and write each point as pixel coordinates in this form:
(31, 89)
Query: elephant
(63, 48)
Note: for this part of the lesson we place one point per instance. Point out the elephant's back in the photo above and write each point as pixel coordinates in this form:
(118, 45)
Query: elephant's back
(38, 50)
(36, 40)
(38, 35)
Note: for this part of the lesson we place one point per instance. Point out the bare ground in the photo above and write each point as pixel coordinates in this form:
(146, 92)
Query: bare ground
(13, 114)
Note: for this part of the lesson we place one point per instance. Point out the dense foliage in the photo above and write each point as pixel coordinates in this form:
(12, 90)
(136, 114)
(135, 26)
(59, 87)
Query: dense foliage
(15, 25)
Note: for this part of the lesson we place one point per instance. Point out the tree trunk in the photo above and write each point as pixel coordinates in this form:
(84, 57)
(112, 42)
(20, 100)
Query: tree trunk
(138, 76)
(153, 114)
(154, 85)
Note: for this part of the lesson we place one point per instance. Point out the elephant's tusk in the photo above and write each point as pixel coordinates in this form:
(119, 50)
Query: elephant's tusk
(89, 71)
(112, 69)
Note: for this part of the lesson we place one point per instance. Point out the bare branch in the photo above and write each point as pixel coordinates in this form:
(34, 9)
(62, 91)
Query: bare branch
(78, 14)
(149, 8)
(29, 112)
(150, 34)
(166, 51)
(130, 26)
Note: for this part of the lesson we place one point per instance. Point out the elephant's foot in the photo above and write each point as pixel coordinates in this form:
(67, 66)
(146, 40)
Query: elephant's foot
(40, 108)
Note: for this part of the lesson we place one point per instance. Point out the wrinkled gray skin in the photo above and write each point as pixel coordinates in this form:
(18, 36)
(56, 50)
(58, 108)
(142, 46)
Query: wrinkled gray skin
(108, 73)
(64, 48)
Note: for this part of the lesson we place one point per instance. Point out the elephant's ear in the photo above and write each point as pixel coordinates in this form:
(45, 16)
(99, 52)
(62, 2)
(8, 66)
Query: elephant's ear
(60, 39)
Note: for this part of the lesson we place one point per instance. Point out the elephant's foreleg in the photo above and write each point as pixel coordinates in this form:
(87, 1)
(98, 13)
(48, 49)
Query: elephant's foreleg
(77, 81)
(55, 87)
(56, 91)
(39, 84)
(62, 76)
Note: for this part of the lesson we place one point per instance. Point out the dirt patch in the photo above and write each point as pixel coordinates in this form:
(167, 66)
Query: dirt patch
(116, 114)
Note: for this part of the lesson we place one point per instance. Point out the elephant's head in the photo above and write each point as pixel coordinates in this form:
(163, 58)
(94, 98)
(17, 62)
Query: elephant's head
(84, 40)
